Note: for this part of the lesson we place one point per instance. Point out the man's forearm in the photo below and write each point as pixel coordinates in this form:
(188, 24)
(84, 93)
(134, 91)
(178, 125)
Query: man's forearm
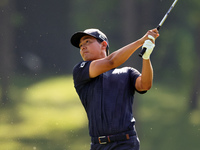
(147, 74)
(118, 57)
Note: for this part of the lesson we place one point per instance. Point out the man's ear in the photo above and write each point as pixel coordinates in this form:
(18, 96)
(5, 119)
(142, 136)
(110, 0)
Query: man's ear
(104, 44)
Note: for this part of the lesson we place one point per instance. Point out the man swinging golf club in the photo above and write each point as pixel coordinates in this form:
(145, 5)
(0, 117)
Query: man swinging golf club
(107, 92)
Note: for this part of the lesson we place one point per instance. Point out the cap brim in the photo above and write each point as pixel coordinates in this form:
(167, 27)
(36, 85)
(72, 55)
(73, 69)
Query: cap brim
(75, 39)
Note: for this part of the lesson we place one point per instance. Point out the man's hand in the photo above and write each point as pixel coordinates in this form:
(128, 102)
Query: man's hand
(149, 47)
(151, 33)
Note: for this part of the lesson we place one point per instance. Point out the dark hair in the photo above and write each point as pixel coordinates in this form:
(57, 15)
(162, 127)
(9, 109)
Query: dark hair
(107, 48)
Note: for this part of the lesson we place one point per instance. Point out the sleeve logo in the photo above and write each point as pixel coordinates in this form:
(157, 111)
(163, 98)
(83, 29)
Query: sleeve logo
(82, 64)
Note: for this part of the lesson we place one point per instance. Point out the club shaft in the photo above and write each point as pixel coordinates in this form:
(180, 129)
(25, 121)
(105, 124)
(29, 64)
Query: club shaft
(168, 12)
(160, 24)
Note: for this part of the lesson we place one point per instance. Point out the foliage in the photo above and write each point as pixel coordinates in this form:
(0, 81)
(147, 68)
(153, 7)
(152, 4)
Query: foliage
(46, 114)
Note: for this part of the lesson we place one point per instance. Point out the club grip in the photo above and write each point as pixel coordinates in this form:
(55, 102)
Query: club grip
(144, 49)
(158, 27)
(142, 52)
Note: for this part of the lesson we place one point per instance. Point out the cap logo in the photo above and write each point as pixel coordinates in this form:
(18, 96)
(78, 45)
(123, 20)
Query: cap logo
(102, 37)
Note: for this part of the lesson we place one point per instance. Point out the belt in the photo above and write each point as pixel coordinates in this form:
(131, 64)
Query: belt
(113, 138)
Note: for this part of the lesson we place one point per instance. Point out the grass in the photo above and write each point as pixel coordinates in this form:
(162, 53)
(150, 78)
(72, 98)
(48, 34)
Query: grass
(46, 114)
(166, 122)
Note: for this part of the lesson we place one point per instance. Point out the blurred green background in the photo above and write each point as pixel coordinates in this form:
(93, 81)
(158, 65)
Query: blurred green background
(39, 108)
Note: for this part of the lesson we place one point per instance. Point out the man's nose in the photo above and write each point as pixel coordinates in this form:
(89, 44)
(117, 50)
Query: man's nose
(83, 47)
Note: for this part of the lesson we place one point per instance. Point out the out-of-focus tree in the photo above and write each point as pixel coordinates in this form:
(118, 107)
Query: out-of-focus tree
(194, 23)
(177, 50)
(6, 46)
(43, 38)
(129, 22)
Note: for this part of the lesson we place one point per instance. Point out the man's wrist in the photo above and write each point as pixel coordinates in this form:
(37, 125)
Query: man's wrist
(140, 41)
(146, 58)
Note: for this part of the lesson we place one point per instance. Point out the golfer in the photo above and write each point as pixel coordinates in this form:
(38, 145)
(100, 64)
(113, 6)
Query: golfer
(107, 92)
